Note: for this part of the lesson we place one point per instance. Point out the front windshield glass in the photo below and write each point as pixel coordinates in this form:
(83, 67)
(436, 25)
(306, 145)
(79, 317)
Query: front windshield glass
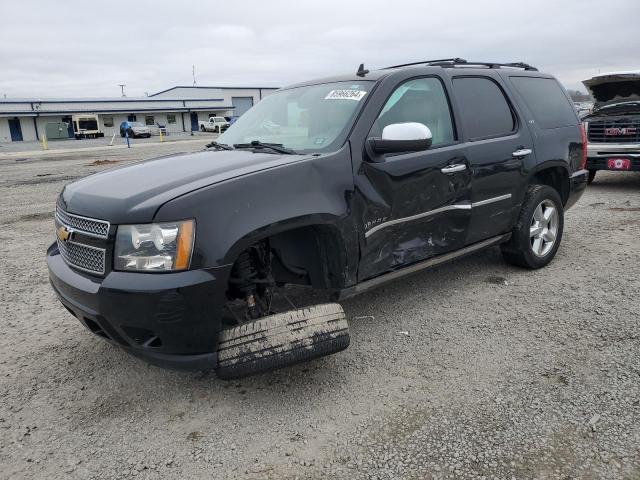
(135, 124)
(315, 118)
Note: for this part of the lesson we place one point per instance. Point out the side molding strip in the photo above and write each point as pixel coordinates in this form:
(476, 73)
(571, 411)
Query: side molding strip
(491, 200)
(457, 206)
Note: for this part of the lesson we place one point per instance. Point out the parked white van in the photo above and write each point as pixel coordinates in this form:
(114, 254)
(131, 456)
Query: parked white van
(86, 126)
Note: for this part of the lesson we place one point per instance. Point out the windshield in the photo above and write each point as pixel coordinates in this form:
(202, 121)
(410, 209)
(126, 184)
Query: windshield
(136, 124)
(315, 118)
(88, 124)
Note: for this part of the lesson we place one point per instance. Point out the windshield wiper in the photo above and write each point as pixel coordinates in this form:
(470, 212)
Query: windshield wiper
(257, 144)
(218, 146)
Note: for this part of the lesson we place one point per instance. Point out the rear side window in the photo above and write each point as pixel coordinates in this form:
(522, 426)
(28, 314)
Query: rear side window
(546, 100)
(485, 110)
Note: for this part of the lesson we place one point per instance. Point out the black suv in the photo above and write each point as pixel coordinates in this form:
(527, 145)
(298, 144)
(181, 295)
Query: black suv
(334, 186)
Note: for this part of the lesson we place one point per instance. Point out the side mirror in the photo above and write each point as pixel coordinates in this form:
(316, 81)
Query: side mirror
(401, 137)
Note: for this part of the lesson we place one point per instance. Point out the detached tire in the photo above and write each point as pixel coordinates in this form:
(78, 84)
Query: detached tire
(536, 237)
(282, 340)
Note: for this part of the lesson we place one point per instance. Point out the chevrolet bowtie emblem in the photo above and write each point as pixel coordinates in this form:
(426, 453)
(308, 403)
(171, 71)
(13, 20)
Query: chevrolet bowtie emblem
(64, 233)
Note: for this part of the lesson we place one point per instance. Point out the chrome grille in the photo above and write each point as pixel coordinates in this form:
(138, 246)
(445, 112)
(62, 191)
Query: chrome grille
(89, 226)
(614, 131)
(83, 257)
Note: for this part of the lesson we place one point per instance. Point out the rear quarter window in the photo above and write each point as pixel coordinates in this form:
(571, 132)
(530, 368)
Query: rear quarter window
(546, 100)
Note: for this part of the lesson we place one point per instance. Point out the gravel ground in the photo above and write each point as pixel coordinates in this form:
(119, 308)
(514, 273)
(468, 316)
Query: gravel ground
(72, 144)
(473, 370)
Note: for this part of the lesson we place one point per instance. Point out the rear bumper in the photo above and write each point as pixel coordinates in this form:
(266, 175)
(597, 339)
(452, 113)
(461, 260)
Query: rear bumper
(599, 153)
(577, 186)
(171, 320)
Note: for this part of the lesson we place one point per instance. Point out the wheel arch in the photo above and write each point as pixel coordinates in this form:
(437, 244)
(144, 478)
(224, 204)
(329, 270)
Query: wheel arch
(555, 174)
(314, 243)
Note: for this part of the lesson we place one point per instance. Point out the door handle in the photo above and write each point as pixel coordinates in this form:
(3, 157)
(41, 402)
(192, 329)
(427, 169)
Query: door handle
(522, 152)
(454, 168)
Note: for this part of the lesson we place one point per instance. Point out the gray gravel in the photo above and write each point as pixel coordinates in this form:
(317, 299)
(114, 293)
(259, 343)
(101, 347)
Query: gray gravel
(472, 370)
(73, 144)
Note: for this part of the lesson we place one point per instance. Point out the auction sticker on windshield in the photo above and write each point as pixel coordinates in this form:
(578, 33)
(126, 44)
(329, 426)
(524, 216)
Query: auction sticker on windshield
(345, 95)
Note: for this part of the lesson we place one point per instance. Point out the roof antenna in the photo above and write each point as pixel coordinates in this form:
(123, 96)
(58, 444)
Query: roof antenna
(361, 71)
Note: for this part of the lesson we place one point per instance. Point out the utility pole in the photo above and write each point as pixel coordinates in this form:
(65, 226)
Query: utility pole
(122, 85)
(193, 73)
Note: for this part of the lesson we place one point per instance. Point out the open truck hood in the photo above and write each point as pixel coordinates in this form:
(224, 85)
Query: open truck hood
(614, 88)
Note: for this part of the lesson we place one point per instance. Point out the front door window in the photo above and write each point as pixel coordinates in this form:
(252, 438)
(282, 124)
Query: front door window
(422, 100)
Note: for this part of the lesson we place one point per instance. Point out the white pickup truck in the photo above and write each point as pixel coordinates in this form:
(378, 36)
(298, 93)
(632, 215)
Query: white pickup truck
(215, 124)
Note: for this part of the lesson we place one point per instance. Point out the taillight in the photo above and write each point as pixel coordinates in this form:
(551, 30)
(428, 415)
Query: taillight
(583, 130)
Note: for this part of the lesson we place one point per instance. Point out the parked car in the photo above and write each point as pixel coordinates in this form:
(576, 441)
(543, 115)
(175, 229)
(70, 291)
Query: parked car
(214, 124)
(86, 126)
(187, 261)
(613, 127)
(134, 129)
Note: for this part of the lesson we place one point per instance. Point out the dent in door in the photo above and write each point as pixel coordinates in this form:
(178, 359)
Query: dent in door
(412, 229)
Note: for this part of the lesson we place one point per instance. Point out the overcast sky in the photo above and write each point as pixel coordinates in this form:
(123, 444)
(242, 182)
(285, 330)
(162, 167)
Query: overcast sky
(84, 49)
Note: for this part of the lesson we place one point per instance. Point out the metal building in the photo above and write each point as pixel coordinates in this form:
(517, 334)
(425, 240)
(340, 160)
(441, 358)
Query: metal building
(178, 108)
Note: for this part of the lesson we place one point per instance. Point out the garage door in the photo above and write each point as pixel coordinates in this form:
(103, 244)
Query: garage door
(242, 104)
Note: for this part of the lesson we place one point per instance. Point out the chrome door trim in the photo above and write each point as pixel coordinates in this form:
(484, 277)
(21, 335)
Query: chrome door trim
(457, 206)
(491, 200)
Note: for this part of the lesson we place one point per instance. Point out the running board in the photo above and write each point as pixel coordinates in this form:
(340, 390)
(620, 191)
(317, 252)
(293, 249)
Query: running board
(417, 267)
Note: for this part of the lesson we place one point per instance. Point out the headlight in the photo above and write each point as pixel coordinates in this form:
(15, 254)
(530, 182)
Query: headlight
(155, 247)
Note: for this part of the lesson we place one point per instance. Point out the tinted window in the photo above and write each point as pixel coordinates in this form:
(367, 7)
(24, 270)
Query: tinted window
(485, 110)
(546, 100)
(422, 100)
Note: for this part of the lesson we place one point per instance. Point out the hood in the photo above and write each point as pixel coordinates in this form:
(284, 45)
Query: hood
(613, 88)
(134, 193)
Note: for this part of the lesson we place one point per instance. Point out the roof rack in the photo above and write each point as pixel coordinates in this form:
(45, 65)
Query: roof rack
(452, 62)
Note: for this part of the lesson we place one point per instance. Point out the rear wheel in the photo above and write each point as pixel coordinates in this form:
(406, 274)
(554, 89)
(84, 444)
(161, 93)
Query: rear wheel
(202, 129)
(536, 237)
(592, 175)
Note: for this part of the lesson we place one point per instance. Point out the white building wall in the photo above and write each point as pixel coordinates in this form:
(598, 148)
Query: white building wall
(5, 134)
(26, 126)
(226, 94)
(28, 129)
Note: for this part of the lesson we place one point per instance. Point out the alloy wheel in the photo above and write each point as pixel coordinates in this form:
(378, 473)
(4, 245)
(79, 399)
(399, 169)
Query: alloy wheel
(544, 228)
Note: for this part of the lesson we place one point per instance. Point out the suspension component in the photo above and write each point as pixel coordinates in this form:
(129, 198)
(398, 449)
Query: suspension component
(244, 275)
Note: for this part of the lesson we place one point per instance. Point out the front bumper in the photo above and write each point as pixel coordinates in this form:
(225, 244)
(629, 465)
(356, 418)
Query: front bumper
(577, 186)
(598, 154)
(171, 320)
